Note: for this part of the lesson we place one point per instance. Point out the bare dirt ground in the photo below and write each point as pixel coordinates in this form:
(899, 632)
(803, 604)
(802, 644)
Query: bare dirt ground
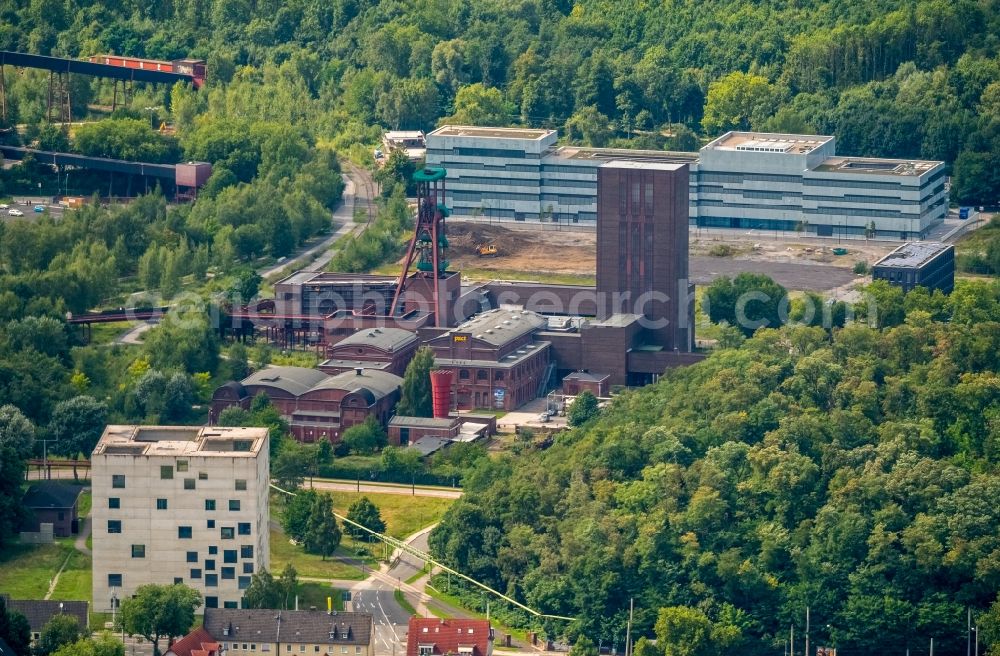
(564, 252)
(795, 264)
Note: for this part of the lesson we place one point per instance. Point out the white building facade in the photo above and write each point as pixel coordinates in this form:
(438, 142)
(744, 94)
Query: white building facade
(742, 180)
(179, 504)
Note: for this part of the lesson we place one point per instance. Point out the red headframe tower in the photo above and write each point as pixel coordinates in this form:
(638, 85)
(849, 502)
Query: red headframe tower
(429, 246)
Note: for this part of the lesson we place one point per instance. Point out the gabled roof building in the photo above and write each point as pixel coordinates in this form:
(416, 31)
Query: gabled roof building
(248, 632)
(430, 636)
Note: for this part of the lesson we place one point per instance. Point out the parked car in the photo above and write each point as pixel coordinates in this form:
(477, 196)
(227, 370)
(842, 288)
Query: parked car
(39, 208)
(15, 212)
(4, 206)
(544, 417)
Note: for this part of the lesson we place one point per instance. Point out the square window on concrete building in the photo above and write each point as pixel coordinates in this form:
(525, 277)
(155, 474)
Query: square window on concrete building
(213, 551)
(118, 480)
(211, 581)
(114, 503)
(229, 556)
(114, 526)
(234, 504)
(182, 465)
(248, 568)
(209, 565)
(211, 523)
(241, 484)
(161, 504)
(202, 476)
(192, 556)
(138, 551)
(231, 604)
(246, 551)
(166, 472)
(228, 533)
(178, 580)
(184, 532)
(188, 483)
(244, 528)
(195, 573)
(213, 602)
(228, 573)
(209, 504)
(114, 580)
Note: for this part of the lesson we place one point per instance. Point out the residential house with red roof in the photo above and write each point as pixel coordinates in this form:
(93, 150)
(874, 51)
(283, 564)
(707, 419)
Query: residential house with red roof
(430, 636)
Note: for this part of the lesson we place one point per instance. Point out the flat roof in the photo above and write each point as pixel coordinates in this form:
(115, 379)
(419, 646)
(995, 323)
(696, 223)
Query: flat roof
(610, 154)
(335, 278)
(404, 134)
(789, 144)
(643, 166)
(619, 320)
(913, 254)
(510, 360)
(422, 422)
(873, 165)
(586, 376)
(180, 441)
(428, 444)
(494, 133)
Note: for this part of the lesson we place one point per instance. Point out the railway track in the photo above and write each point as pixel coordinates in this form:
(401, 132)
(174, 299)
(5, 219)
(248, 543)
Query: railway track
(364, 191)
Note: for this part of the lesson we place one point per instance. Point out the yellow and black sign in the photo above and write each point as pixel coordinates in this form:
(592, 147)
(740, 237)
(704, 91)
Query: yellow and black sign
(460, 338)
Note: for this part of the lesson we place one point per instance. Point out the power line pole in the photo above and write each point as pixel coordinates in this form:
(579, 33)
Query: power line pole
(807, 631)
(628, 628)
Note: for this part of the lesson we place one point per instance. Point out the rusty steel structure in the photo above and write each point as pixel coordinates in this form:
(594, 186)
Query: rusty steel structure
(429, 246)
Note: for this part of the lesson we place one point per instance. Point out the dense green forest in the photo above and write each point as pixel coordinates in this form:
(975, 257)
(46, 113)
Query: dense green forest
(854, 472)
(910, 79)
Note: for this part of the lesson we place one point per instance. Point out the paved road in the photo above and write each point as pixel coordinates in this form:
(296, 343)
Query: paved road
(134, 334)
(376, 595)
(358, 190)
(352, 486)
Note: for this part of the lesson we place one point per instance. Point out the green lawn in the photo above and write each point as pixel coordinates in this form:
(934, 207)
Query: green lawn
(403, 602)
(84, 505)
(26, 569)
(74, 582)
(283, 552)
(312, 593)
(403, 515)
(105, 333)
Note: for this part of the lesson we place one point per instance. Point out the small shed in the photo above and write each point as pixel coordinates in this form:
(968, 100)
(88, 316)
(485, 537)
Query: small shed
(51, 502)
(579, 381)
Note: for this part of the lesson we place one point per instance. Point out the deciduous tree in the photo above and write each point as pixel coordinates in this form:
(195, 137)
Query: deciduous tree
(157, 611)
(416, 400)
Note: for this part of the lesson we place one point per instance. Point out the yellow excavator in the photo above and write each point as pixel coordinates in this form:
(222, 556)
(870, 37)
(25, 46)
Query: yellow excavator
(486, 250)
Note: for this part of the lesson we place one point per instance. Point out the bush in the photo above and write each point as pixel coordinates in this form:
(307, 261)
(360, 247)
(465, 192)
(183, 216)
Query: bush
(721, 250)
(861, 267)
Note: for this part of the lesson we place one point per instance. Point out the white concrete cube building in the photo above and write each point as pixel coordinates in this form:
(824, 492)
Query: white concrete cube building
(179, 504)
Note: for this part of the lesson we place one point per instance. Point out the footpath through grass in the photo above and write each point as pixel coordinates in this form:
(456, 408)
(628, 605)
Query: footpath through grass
(26, 571)
(309, 565)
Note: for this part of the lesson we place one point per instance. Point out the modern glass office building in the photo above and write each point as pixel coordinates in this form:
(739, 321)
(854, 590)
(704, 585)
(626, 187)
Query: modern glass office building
(742, 180)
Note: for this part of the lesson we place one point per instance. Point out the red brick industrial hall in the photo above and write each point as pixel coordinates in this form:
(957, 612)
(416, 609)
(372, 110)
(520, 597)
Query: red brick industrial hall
(504, 342)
